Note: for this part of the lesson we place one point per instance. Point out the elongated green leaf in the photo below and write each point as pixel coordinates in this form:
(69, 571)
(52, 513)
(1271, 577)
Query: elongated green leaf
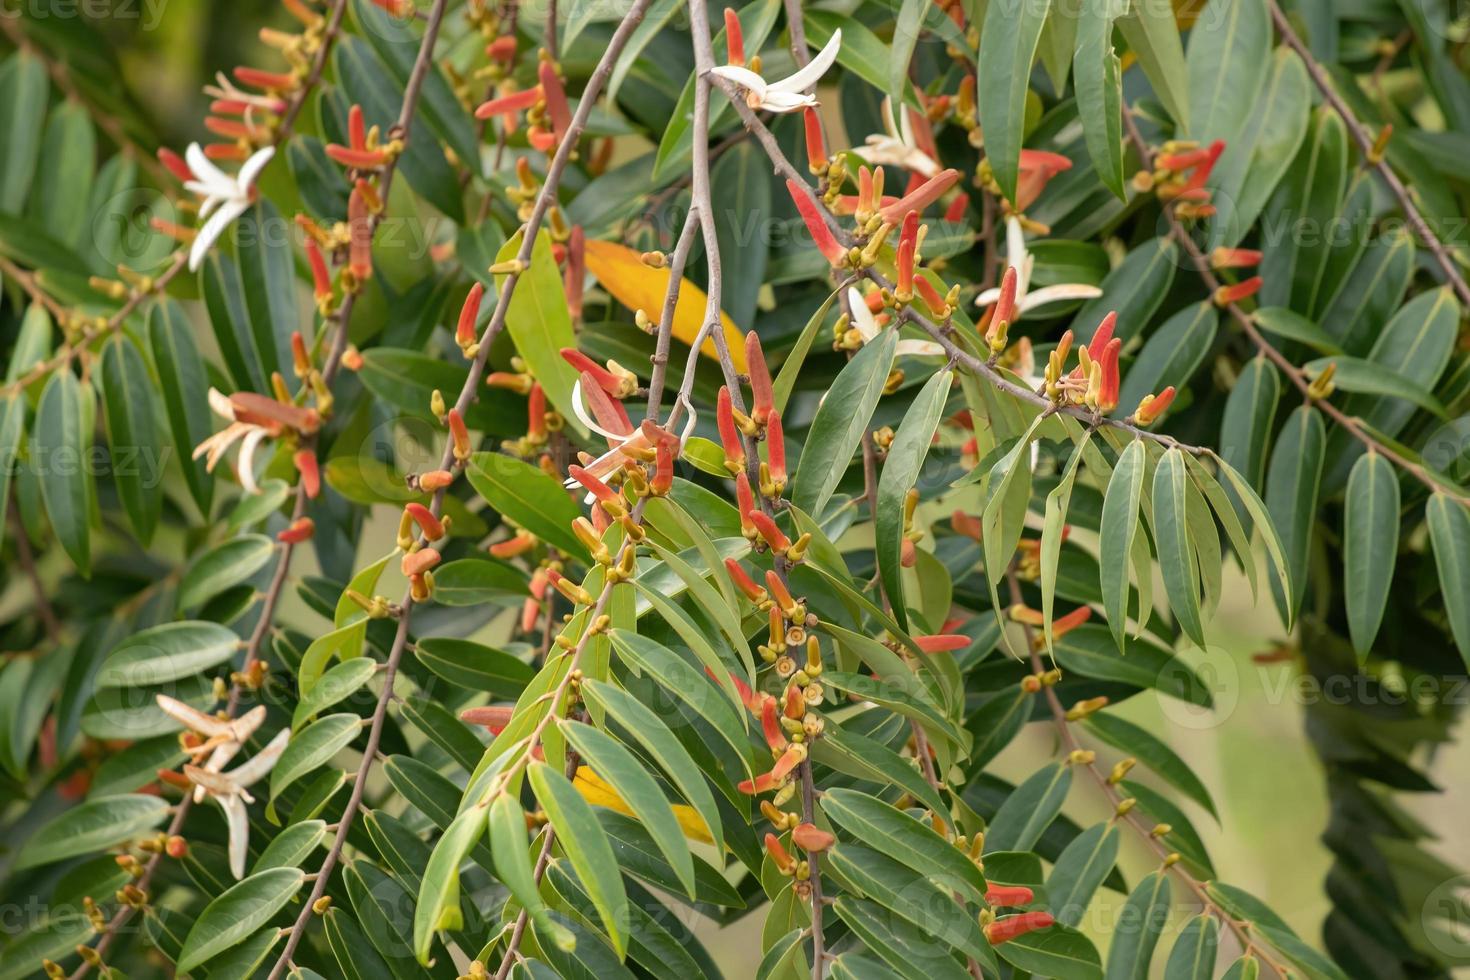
(222, 567)
(541, 325)
(1370, 546)
(1172, 354)
(474, 666)
(1027, 812)
(337, 684)
(60, 442)
(1008, 44)
(1449, 532)
(312, 748)
(236, 914)
(838, 428)
(906, 949)
(185, 387)
(23, 90)
(508, 841)
(1176, 556)
(527, 496)
(132, 438)
(1227, 67)
(785, 381)
(903, 838)
(438, 898)
(93, 826)
(1291, 497)
(292, 846)
(900, 472)
(1083, 865)
(867, 758)
(1291, 325)
(1245, 431)
(1146, 912)
(1057, 951)
(1193, 956)
(1133, 289)
(167, 653)
(587, 847)
(1051, 535)
(1154, 39)
(622, 770)
(1152, 752)
(1098, 80)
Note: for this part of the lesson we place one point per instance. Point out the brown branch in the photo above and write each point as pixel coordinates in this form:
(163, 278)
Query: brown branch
(660, 360)
(1296, 375)
(1364, 139)
(467, 395)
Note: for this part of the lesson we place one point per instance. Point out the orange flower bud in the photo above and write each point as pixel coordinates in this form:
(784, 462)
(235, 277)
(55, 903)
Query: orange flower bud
(1012, 926)
(464, 333)
(771, 726)
(825, 241)
(321, 279)
(435, 480)
(1012, 895)
(768, 530)
(174, 164)
(259, 78)
(460, 435)
(942, 642)
(311, 477)
(734, 40)
(418, 562)
(761, 396)
(1005, 307)
(920, 198)
(730, 439)
(432, 527)
(957, 208)
(604, 379)
(1225, 295)
(816, 149)
(300, 530)
(745, 504)
(556, 100)
(784, 862)
(491, 716)
(776, 450)
(360, 230)
(1234, 258)
(1153, 406)
(811, 838)
(575, 274)
(508, 104)
(744, 582)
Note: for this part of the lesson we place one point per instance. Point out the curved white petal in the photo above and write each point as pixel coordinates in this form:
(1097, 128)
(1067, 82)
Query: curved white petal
(987, 296)
(579, 409)
(204, 170)
(919, 348)
(814, 70)
(251, 772)
(787, 101)
(743, 77)
(1057, 294)
(239, 823)
(863, 320)
(212, 230)
(891, 127)
(220, 403)
(245, 462)
(251, 168)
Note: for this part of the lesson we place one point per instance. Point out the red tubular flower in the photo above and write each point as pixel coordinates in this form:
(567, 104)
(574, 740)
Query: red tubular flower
(768, 530)
(1107, 398)
(432, 527)
(321, 279)
(1012, 926)
(1202, 170)
(357, 159)
(360, 228)
(1005, 307)
(503, 48)
(511, 547)
(1065, 624)
(744, 582)
(1152, 406)
(795, 706)
(608, 411)
(356, 128)
(508, 105)
(311, 476)
(822, 235)
(942, 642)
(556, 100)
(779, 593)
(232, 129)
(575, 273)
(1234, 258)
(300, 359)
(584, 365)
(771, 726)
(269, 80)
(536, 412)
(865, 201)
(812, 839)
(419, 562)
(469, 313)
(785, 862)
(1012, 895)
(762, 397)
(926, 194)
(604, 493)
(730, 439)
(1102, 336)
(1225, 295)
(1037, 168)
(958, 207)
(792, 758)
(300, 530)
(435, 480)
(776, 450)
(908, 243)
(1182, 160)
(174, 163)
(964, 524)
(816, 147)
(734, 40)
(663, 467)
(227, 151)
(492, 716)
(459, 434)
(935, 302)
(745, 503)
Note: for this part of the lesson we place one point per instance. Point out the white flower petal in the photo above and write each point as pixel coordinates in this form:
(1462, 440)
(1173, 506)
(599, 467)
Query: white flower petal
(814, 70)
(579, 409)
(987, 296)
(743, 77)
(919, 348)
(204, 170)
(1057, 294)
(212, 230)
(190, 717)
(239, 823)
(251, 772)
(220, 403)
(863, 320)
(787, 102)
(251, 168)
(245, 462)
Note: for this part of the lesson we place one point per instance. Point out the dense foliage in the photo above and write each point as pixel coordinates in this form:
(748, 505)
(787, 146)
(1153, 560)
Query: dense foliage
(549, 475)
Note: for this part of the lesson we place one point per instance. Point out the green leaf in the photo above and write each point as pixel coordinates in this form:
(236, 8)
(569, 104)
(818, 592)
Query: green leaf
(267, 283)
(167, 653)
(1083, 865)
(1089, 651)
(1053, 522)
(866, 758)
(337, 684)
(1027, 812)
(903, 838)
(239, 912)
(626, 774)
(64, 179)
(1250, 411)
(476, 581)
(540, 323)
(292, 846)
(1153, 38)
(1289, 324)
(12, 431)
(904, 948)
(1008, 43)
(1193, 956)
(343, 643)
(840, 422)
(1116, 534)
(906, 29)
(185, 387)
(1367, 378)
(1176, 556)
(587, 847)
(507, 823)
(1152, 752)
(1370, 535)
(1098, 80)
(474, 666)
(92, 826)
(1449, 532)
(526, 495)
(1305, 204)
(1227, 67)
(133, 440)
(1134, 289)
(1172, 354)
(1291, 497)
(23, 91)
(1057, 951)
(60, 443)
(642, 724)
(438, 898)
(222, 567)
(741, 181)
(901, 467)
(312, 748)
(1146, 912)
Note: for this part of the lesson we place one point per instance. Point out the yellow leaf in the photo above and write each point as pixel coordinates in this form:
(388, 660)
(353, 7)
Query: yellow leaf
(596, 791)
(638, 287)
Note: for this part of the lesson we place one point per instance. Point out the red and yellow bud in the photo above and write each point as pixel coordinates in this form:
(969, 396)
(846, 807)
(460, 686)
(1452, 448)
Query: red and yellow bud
(734, 39)
(300, 530)
(942, 642)
(920, 198)
(1010, 895)
(1153, 406)
(459, 435)
(762, 397)
(1246, 288)
(773, 535)
(816, 149)
(311, 475)
(811, 838)
(1234, 258)
(464, 332)
(730, 439)
(1014, 926)
(175, 164)
(745, 583)
(432, 527)
(784, 862)
(745, 504)
(825, 241)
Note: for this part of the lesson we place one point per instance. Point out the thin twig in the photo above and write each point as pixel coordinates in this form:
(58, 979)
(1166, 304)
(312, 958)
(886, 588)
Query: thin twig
(27, 562)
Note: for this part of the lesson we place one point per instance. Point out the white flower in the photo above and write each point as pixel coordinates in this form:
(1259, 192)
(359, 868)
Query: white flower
(1021, 260)
(223, 737)
(231, 791)
(898, 145)
(789, 94)
(216, 445)
(866, 324)
(225, 197)
(621, 445)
